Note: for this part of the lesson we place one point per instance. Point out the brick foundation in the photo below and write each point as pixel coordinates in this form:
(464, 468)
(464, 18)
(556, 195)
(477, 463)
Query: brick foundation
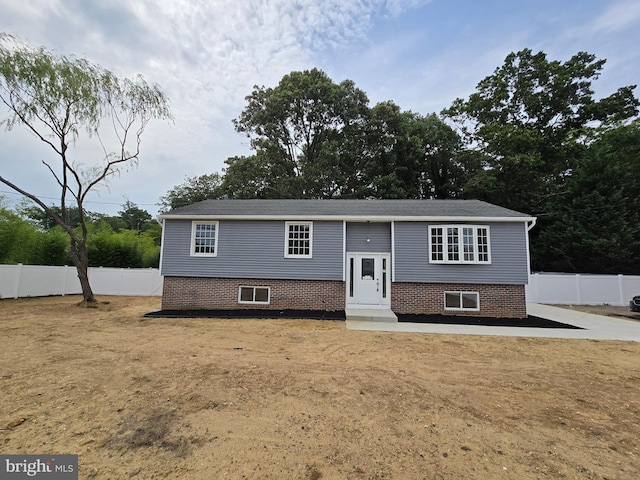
(499, 301)
(203, 293)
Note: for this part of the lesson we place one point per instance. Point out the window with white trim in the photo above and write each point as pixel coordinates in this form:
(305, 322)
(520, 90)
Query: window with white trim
(258, 295)
(204, 239)
(459, 244)
(298, 239)
(462, 301)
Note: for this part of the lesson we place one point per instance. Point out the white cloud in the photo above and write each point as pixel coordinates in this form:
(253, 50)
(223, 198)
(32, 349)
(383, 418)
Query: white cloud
(618, 17)
(398, 7)
(207, 55)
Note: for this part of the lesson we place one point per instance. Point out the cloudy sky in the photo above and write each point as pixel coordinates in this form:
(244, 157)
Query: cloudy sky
(208, 54)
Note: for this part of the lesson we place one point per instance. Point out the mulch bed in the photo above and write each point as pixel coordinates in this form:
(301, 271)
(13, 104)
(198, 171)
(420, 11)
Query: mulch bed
(530, 321)
(249, 313)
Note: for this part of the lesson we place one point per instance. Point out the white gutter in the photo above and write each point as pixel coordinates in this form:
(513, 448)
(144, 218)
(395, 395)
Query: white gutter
(353, 218)
(533, 221)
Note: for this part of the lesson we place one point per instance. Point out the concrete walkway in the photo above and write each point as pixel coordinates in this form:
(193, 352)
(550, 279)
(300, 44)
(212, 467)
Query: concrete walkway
(596, 327)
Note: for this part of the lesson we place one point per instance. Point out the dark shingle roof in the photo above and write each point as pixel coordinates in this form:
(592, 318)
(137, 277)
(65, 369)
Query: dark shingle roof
(338, 209)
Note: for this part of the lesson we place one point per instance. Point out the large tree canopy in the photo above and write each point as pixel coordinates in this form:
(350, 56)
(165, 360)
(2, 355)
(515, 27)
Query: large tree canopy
(530, 120)
(304, 131)
(61, 99)
(412, 156)
(314, 138)
(593, 225)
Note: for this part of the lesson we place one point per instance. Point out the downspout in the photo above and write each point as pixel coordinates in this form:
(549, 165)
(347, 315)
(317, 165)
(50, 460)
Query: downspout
(161, 223)
(529, 273)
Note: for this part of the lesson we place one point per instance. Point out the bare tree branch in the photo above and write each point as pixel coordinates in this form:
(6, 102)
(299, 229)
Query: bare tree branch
(52, 97)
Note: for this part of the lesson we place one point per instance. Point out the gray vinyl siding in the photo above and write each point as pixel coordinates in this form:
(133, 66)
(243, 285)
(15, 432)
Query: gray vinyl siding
(508, 257)
(253, 249)
(379, 235)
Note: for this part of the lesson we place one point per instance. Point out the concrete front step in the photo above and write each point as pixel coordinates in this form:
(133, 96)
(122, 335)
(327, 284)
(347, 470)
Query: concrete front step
(370, 315)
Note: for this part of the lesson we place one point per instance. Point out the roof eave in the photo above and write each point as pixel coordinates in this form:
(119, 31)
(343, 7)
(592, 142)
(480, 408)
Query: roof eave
(352, 218)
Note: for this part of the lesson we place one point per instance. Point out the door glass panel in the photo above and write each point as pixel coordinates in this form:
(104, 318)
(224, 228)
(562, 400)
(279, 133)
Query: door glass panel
(368, 270)
(351, 275)
(384, 278)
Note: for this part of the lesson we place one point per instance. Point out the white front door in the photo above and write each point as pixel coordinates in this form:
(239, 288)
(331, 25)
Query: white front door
(369, 281)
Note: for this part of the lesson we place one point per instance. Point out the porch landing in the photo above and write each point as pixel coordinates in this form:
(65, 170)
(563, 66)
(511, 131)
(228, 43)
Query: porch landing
(370, 315)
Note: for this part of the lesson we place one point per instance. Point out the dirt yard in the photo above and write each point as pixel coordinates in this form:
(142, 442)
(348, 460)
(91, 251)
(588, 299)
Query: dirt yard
(303, 399)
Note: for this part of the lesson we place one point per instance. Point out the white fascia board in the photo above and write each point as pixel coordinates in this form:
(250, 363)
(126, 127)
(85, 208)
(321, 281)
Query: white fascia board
(336, 218)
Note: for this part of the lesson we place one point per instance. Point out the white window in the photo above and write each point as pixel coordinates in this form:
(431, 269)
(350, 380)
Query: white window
(459, 244)
(259, 295)
(298, 239)
(204, 239)
(462, 301)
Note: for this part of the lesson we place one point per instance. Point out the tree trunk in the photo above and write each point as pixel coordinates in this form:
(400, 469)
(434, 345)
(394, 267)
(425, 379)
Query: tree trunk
(80, 259)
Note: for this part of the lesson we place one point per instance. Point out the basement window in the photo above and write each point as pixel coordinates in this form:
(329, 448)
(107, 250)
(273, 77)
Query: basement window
(256, 295)
(462, 301)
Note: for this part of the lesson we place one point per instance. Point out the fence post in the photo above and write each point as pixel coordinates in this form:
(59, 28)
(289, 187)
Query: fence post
(534, 296)
(64, 281)
(621, 289)
(18, 277)
(578, 288)
(151, 274)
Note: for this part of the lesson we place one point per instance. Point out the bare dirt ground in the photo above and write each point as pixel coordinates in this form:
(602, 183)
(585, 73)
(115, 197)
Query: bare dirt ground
(307, 399)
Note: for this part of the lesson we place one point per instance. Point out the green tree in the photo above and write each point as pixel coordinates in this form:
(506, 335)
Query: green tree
(42, 219)
(530, 120)
(115, 222)
(57, 98)
(50, 247)
(255, 176)
(413, 156)
(593, 226)
(304, 131)
(437, 147)
(134, 218)
(391, 164)
(16, 236)
(192, 190)
(109, 249)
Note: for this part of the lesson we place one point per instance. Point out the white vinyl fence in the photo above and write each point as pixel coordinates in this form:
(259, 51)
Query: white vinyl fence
(38, 281)
(584, 289)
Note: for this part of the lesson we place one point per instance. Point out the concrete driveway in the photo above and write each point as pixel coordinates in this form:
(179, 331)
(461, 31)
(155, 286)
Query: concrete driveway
(595, 327)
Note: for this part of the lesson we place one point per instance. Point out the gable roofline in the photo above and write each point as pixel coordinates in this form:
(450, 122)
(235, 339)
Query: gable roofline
(346, 218)
(348, 210)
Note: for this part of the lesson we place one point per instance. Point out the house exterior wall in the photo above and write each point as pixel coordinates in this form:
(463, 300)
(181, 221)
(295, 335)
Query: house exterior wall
(508, 243)
(251, 253)
(499, 301)
(378, 233)
(204, 293)
(254, 249)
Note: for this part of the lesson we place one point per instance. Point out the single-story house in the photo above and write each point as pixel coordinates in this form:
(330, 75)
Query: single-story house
(452, 257)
